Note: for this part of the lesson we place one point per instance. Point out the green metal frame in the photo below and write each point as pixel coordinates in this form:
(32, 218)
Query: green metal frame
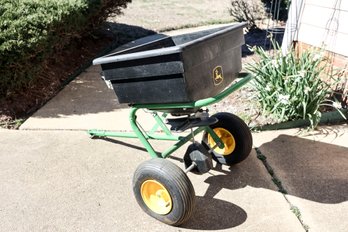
(144, 136)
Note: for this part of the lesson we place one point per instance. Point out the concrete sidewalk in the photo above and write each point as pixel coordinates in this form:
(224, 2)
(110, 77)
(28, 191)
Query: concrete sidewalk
(53, 177)
(65, 181)
(313, 169)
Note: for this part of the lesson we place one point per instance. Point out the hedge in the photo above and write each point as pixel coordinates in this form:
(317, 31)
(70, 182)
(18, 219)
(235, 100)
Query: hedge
(31, 30)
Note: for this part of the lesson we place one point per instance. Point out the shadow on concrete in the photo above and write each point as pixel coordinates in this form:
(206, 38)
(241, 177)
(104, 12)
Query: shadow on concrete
(335, 131)
(124, 33)
(308, 169)
(209, 212)
(311, 170)
(88, 94)
(250, 172)
(118, 142)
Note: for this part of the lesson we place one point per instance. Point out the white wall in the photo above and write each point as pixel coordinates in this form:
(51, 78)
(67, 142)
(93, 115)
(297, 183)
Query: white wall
(323, 23)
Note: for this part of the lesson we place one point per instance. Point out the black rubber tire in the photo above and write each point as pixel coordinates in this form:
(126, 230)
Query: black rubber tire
(241, 134)
(177, 184)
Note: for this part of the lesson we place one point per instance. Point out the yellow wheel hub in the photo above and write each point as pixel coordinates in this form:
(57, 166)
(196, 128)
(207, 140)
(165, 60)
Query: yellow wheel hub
(156, 197)
(226, 137)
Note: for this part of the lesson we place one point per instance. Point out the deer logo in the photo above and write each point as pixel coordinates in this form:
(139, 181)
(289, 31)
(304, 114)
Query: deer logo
(218, 75)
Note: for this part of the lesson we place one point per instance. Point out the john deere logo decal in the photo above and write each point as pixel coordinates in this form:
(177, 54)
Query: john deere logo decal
(218, 75)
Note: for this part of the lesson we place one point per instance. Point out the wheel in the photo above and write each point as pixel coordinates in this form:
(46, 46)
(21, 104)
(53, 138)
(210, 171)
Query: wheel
(236, 137)
(164, 191)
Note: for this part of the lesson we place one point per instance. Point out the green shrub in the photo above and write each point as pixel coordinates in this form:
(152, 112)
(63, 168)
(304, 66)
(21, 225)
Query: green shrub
(31, 30)
(290, 87)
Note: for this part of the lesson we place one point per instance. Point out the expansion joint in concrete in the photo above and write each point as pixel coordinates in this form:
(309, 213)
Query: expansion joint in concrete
(277, 182)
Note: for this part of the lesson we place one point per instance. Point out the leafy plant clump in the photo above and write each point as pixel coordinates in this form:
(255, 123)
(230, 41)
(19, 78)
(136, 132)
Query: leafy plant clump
(32, 30)
(290, 86)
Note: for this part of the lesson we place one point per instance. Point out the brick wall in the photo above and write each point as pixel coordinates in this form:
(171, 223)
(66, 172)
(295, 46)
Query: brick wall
(338, 61)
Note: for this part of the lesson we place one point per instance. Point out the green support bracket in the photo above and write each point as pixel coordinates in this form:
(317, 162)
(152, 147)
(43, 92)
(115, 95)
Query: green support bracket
(160, 123)
(140, 134)
(181, 142)
(215, 137)
(144, 137)
(102, 133)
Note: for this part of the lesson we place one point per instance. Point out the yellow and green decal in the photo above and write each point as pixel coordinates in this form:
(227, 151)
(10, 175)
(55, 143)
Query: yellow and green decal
(218, 76)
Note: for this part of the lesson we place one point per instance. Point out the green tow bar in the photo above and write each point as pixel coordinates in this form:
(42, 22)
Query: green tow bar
(144, 136)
